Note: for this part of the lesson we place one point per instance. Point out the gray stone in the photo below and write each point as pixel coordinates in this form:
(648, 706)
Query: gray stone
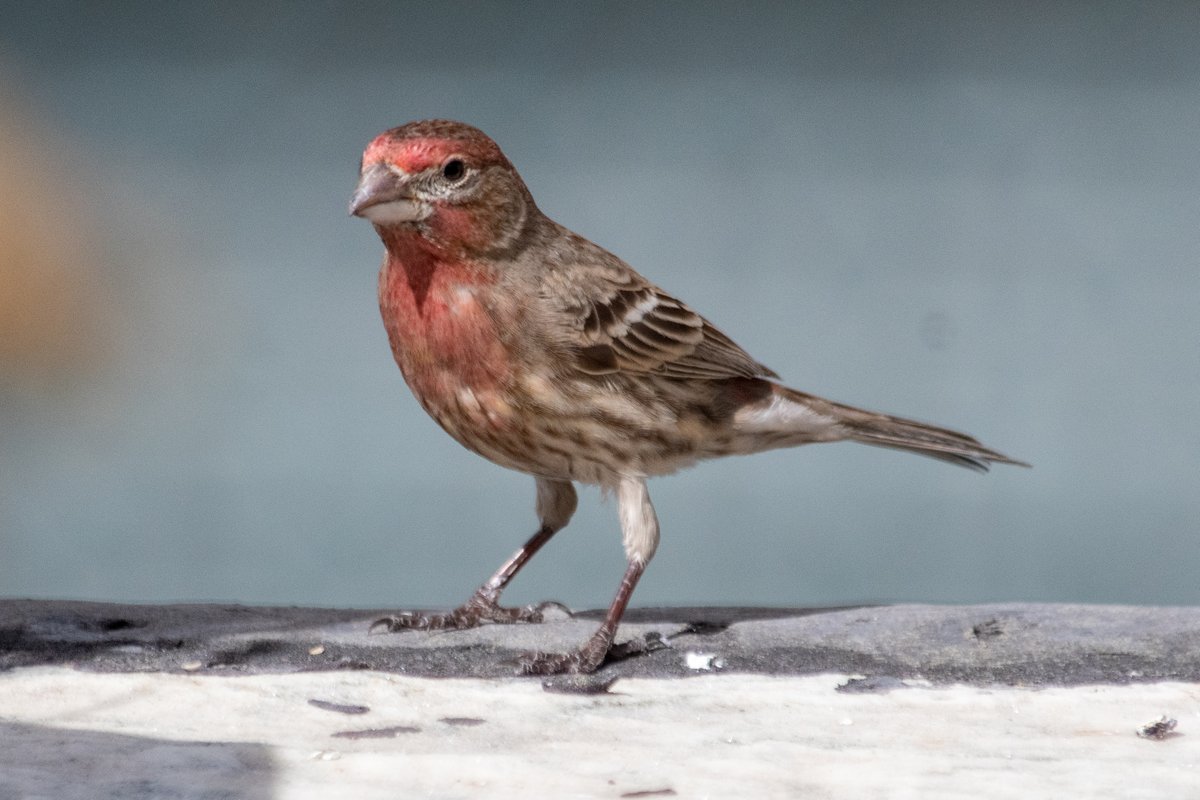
(1014, 644)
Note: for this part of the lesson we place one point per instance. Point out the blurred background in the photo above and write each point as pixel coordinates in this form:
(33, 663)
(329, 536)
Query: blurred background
(982, 215)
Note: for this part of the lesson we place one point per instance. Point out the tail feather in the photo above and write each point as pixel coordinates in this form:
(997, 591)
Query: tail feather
(898, 433)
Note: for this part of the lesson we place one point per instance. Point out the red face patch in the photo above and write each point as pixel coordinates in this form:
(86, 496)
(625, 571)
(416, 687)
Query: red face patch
(415, 154)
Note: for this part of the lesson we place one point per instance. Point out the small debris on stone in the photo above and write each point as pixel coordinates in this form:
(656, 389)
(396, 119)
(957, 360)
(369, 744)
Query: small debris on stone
(353, 664)
(702, 661)
(667, 792)
(870, 684)
(578, 684)
(316, 650)
(987, 630)
(191, 666)
(465, 722)
(340, 708)
(1160, 729)
(700, 628)
(377, 733)
(117, 624)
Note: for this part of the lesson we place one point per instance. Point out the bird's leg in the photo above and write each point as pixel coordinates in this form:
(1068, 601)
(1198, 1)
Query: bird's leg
(556, 501)
(591, 655)
(483, 606)
(639, 530)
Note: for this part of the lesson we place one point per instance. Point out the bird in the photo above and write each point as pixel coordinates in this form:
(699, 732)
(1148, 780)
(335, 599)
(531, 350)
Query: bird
(547, 354)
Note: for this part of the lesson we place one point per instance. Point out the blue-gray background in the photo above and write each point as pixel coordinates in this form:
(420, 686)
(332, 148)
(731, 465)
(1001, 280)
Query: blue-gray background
(982, 215)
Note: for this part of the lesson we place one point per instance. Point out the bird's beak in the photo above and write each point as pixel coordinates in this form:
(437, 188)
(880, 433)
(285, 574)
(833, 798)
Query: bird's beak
(383, 196)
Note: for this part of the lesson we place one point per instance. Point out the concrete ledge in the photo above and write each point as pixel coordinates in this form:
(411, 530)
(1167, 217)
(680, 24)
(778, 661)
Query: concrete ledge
(1016, 644)
(103, 702)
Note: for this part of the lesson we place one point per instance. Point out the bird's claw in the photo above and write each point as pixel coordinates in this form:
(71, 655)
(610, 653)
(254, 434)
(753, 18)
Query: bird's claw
(417, 621)
(542, 607)
(576, 662)
(588, 658)
(594, 654)
(477, 611)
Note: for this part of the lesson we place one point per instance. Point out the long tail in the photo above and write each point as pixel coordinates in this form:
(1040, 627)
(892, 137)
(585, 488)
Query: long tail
(883, 430)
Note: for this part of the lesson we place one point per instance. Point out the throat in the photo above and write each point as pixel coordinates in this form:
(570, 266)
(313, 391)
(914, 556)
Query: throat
(410, 265)
(436, 313)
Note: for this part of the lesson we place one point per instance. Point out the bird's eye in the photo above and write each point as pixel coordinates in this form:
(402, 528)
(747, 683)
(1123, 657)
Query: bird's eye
(454, 169)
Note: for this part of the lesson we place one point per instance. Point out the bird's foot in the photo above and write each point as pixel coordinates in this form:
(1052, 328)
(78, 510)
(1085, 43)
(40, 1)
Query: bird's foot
(583, 661)
(479, 610)
(598, 651)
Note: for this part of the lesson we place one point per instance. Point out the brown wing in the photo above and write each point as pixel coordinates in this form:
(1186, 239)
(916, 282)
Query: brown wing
(623, 323)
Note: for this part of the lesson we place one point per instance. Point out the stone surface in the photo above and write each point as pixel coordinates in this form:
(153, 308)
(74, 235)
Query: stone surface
(1015, 644)
(105, 702)
(70, 735)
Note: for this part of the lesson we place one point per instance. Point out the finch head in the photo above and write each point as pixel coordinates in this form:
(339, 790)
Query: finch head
(445, 182)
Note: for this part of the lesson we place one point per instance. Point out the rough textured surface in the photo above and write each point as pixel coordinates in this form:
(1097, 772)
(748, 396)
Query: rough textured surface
(1016, 644)
(71, 735)
(106, 702)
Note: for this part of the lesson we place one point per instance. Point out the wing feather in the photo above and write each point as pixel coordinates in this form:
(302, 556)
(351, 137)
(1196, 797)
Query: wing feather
(620, 322)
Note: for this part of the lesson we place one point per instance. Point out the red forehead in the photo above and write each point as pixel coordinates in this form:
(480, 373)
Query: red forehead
(416, 153)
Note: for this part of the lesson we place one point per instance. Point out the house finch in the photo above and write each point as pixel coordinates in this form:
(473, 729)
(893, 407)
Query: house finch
(547, 354)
